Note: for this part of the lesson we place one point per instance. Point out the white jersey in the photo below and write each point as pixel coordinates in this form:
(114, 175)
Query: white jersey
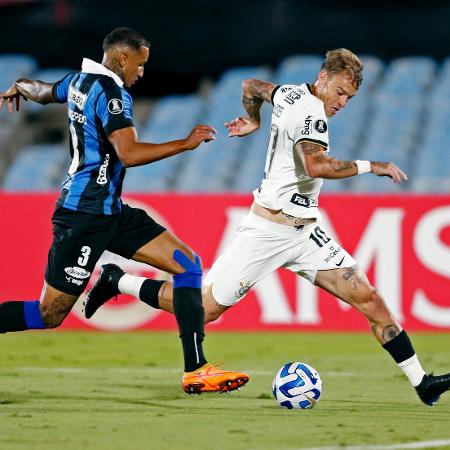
(297, 116)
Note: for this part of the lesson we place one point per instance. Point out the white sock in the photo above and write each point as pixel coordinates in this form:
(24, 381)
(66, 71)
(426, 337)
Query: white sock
(130, 284)
(412, 369)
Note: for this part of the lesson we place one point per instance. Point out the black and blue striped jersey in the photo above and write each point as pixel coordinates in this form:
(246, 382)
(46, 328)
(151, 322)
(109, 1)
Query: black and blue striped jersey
(97, 105)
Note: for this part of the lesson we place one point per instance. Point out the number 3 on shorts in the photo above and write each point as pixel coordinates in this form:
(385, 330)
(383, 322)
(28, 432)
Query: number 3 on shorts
(85, 252)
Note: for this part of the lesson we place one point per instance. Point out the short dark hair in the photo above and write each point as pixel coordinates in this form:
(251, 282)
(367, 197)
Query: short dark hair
(125, 36)
(340, 60)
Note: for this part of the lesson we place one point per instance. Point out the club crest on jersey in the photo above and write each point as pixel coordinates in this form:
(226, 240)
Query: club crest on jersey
(77, 97)
(115, 106)
(320, 126)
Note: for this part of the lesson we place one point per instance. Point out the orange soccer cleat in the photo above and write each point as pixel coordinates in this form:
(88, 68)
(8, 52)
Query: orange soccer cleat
(209, 378)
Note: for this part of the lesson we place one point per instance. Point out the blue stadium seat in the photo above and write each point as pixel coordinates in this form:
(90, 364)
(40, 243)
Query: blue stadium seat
(14, 66)
(172, 118)
(37, 168)
(212, 167)
(408, 76)
(299, 69)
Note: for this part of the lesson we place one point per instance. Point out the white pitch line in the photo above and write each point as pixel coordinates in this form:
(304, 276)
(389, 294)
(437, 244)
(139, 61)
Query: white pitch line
(407, 446)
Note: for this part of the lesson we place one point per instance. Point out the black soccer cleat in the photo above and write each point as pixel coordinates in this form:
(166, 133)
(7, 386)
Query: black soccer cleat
(105, 288)
(432, 386)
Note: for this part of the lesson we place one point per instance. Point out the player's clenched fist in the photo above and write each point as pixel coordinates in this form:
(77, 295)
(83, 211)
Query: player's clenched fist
(388, 169)
(199, 134)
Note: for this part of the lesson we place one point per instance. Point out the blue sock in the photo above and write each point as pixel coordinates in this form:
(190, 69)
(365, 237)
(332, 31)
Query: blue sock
(20, 316)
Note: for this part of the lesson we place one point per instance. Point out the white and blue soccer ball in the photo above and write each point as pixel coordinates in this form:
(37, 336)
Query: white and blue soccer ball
(297, 385)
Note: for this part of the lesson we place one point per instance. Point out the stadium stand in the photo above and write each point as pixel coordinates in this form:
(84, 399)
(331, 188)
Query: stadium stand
(37, 168)
(387, 120)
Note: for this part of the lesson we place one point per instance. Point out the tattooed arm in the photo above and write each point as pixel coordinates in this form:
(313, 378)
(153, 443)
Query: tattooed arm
(254, 93)
(319, 165)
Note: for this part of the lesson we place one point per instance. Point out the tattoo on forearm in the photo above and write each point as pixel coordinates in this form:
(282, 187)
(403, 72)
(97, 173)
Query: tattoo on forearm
(260, 89)
(390, 332)
(252, 106)
(338, 165)
(254, 92)
(351, 276)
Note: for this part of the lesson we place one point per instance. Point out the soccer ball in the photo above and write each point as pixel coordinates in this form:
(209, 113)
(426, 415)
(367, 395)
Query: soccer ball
(297, 385)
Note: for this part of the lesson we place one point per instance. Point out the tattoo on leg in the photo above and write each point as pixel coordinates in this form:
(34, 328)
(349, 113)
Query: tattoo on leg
(351, 275)
(55, 313)
(390, 332)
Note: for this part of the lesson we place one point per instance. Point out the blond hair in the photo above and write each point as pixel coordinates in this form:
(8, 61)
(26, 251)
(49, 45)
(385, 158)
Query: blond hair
(341, 60)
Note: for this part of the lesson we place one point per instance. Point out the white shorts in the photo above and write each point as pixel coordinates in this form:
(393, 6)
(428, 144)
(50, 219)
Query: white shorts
(260, 247)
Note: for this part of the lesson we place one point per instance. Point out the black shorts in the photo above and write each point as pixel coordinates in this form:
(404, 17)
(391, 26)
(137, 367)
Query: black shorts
(80, 238)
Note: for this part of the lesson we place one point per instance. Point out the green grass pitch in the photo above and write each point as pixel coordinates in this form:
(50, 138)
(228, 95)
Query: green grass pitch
(95, 391)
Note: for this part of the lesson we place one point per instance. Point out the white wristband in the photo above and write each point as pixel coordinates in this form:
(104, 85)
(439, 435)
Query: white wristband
(363, 166)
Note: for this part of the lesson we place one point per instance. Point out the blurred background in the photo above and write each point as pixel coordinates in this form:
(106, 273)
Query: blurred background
(202, 50)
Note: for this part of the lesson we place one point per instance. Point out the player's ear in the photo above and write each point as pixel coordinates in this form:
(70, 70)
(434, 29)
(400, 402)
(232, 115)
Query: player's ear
(323, 76)
(123, 57)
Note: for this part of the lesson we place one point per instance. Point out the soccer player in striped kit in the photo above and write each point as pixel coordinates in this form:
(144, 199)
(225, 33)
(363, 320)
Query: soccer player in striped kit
(89, 216)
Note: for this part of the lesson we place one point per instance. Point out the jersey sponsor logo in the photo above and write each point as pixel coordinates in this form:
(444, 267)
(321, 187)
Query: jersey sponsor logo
(294, 95)
(77, 117)
(303, 200)
(320, 126)
(333, 252)
(77, 97)
(286, 89)
(307, 127)
(77, 272)
(277, 110)
(102, 178)
(115, 106)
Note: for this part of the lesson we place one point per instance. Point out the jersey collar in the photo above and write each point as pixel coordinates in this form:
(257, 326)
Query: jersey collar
(89, 66)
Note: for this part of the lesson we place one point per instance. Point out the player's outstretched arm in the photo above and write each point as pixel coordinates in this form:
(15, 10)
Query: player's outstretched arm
(319, 165)
(254, 93)
(133, 153)
(34, 90)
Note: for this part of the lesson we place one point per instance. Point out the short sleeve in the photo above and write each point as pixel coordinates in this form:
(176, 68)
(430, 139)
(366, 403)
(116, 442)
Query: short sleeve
(280, 92)
(311, 125)
(114, 108)
(61, 88)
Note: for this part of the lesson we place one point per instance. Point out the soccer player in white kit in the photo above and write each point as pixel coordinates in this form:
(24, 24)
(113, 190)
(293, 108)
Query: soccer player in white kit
(283, 227)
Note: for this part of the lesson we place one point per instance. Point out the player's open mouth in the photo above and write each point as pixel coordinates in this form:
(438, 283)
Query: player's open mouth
(335, 110)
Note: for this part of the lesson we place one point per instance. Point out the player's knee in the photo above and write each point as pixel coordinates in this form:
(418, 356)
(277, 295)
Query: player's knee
(373, 305)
